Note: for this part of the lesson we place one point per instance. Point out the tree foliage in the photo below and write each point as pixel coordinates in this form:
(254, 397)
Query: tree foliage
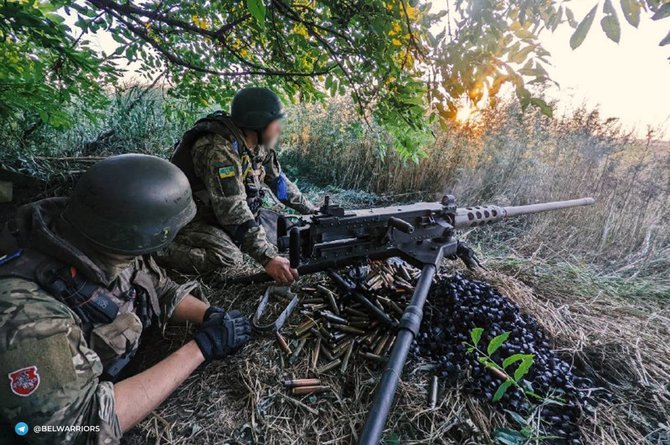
(382, 53)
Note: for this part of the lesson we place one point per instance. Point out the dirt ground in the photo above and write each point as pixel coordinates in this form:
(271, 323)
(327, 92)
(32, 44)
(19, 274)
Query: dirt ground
(622, 346)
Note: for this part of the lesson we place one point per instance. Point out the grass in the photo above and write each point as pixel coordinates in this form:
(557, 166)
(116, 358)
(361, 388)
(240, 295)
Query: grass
(595, 278)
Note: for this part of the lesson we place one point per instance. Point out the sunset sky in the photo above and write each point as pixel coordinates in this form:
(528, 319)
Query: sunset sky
(630, 80)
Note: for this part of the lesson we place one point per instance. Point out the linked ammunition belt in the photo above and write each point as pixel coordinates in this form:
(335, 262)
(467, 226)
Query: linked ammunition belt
(283, 294)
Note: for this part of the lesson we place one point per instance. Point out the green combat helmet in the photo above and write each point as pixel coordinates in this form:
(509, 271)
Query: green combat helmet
(255, 108)
(131, 204)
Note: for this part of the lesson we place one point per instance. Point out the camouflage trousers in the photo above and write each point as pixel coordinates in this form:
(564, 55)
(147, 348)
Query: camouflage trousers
(202, 247)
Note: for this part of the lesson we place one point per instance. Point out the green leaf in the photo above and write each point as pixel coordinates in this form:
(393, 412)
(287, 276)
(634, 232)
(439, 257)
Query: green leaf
(571, 17)
(496, 342)
(476, 335)
(583, 28)
(392, 439)
(502, 389)
(257, 9)
(518, 418)
(662, 12)
(666, 40)
(610, 23)
(524, 367)
(512, 359)
(544, 107)
(631, 11)
(508, 436)
(520, 56)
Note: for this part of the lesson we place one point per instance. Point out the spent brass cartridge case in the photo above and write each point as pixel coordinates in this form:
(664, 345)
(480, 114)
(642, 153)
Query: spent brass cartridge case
(433, 392)
(304, 327)
(316, 352)
(333, 304)
(342, 347)
(348, 329)
(333, 318)
(302, 382)
(364, 325)
(371, 356)
(355, 312)
(283, 344)
(308, 290)
(302, 390)
(296, 352)
(326, 352)
(388, 346)
(347, 355)
(328, 366)
(381, 343)
(313, 301)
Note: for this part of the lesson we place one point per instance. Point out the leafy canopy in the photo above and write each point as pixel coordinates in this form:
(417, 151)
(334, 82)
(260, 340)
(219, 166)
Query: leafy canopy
(382, 53)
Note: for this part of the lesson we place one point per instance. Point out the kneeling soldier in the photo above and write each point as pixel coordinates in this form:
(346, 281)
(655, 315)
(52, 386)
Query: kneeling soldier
(78, 288)
(229, 160)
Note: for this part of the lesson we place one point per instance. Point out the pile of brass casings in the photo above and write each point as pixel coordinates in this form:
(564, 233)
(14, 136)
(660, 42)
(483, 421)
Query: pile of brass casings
(336, 328)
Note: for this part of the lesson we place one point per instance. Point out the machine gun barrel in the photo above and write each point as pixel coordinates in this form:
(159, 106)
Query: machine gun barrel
(488, 214)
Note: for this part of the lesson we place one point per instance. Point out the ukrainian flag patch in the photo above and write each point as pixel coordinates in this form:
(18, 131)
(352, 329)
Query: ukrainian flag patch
(226, 172)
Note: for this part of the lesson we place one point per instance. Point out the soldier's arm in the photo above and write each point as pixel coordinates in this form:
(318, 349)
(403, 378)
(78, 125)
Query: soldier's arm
(56, 374)
(219, 167)
(140, 394)
(176, 300)
(285, 190)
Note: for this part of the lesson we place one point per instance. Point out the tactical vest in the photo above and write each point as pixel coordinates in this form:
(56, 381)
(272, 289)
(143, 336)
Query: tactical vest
(221, 124)
(94, 304)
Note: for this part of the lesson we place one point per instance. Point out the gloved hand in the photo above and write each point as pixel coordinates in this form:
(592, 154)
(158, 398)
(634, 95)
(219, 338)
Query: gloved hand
(212, 310)
(221, 334)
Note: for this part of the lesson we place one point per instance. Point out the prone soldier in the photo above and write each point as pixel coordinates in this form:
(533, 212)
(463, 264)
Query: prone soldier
(229, 160)
(77, 290)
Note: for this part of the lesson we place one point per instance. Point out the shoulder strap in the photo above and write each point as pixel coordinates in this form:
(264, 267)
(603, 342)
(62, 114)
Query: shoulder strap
(90, 301)
(215, 123)
(25, 264)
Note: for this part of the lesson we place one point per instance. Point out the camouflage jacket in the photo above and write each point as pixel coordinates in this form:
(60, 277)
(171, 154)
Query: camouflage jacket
(53, 361)
(228, 177)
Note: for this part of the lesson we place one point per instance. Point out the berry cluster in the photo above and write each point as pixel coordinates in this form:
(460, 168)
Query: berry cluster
(455, 307)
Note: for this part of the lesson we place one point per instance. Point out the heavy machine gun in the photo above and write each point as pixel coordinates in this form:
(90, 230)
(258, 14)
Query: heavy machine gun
(422, 234)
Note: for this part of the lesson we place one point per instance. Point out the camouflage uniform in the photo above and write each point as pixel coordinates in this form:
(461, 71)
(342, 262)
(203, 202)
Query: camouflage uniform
(42, 334)
(227, 179)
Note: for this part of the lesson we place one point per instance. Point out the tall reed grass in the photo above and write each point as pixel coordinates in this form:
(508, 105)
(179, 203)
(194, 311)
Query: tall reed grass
(504, 156)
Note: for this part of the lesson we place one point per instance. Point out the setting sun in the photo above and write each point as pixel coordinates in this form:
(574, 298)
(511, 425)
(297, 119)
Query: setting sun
(464, 113)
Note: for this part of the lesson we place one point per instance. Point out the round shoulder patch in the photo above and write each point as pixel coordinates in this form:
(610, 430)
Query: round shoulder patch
(23, 382)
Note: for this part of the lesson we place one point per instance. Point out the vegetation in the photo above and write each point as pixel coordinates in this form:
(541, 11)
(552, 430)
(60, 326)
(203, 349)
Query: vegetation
(382, 54)
(501, 156)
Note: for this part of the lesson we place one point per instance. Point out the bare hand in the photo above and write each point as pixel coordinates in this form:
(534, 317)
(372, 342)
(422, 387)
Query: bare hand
(280, 270)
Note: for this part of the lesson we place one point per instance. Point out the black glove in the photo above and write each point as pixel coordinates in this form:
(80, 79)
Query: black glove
(220, 334)
(212, 310)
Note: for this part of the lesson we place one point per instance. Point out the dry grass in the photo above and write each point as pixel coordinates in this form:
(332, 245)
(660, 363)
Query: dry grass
(622, 346)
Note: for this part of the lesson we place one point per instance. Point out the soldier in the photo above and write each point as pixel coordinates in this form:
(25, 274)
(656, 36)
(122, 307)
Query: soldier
(227, 160)
(77, 290)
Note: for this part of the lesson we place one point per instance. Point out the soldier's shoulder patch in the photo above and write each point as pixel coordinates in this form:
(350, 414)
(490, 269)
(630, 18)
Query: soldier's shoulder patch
(226, 172)
(23, 382)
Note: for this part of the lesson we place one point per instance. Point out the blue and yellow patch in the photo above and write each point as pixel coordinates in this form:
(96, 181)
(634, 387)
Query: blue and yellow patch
(226, 172)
